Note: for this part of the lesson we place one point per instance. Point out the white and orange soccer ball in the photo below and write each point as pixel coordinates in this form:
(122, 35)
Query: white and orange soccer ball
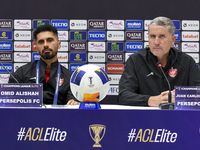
(89, 83)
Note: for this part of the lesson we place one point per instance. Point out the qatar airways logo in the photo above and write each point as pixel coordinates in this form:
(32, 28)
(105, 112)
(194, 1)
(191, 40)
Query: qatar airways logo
(97, 24)
(190, 47)
(63, 35)
(134, 35)
(115, 57)
(22, 24)
(190, 36)
(6, 24)
(5, 56)
(115, 24)
(78, 46)
(22, 57)
(96, 46)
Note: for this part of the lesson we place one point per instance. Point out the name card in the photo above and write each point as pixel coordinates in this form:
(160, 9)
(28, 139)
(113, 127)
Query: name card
(187, 97)
(21, 95)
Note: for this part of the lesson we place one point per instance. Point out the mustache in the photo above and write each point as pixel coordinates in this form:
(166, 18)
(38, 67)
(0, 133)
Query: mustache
(46, 49)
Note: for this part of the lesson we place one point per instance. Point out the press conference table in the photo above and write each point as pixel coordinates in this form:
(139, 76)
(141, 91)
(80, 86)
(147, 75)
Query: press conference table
(111, 128)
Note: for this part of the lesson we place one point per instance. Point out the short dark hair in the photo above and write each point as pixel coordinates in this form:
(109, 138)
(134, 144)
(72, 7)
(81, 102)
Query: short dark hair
(43, 28)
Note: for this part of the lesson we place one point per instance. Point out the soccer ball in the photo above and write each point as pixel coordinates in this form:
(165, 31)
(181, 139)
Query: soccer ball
(89, 83)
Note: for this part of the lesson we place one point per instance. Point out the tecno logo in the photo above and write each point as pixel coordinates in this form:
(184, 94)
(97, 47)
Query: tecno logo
(115, 68)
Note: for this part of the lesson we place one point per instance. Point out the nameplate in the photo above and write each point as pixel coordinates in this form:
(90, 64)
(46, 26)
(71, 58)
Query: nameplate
(21, 95)
(187, 97)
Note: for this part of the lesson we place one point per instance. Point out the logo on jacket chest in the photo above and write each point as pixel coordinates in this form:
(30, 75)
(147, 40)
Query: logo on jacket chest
(60, 82)
(172, 72)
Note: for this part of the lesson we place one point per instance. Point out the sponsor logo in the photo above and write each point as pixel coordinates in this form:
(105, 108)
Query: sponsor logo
(114, 79)
(22, 57)
(6, 24)
(96, 57)
(78, 35)
(115, 57)
(22, 24)
(5, 56)
(62, 57)
(177, 24)
(96, 35)
(63, 35)
(152, 135)
(17, 65)
(6, 46)
(6, 35)
(146, 44)
(35, 56)
(115, 35)
(22, 35)
(146, 35)
(195, 56)
(114, 90)
(115, 68)
(34, 46)
(127, 55)
(22, 46)
(146, 24)
(134, 35)
(134, 24)
(97, 24)
(78, 57)
(73, 67)
(78, 24)
(115, 46)
(78, 46)
(60, 24)
(190, 47)
(178, 35)
(177, 45)
(8, 66)
(41, 134)
(64, 65)
(97, 132)
(96, 46)
(190, 25)
(4, 78)
(37, 23)
(134, 46)
(115, 24)
(190, 36)
(63, 46)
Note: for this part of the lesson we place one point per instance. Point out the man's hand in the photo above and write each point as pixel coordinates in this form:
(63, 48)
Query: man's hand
(72, 102)
(165, 96)
(154, 101)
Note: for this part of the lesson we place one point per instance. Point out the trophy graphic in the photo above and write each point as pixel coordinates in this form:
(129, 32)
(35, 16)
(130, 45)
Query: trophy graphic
(97, 132)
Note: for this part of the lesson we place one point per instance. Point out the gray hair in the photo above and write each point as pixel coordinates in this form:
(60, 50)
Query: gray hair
(163, 21)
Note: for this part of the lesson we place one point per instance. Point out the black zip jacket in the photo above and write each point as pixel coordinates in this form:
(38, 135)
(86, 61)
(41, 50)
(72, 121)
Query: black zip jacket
(143, 78)
(27, 74)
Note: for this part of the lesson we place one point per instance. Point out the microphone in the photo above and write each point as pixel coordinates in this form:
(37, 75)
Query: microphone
(9, 72)
(168, 105)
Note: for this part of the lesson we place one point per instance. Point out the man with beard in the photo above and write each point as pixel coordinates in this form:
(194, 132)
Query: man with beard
(47, 70)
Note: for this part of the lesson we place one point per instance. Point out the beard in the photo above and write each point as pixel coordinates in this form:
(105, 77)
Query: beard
(47, 55)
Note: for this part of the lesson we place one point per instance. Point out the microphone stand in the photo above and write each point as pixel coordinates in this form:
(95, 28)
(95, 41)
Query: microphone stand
(168, 105)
